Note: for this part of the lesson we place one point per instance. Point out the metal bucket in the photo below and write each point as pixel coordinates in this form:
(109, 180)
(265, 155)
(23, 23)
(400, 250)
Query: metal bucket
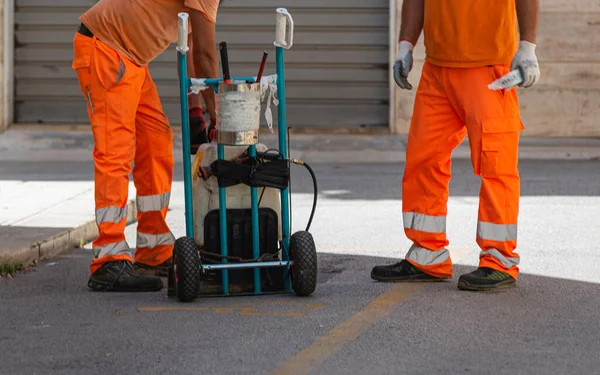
(239, 113)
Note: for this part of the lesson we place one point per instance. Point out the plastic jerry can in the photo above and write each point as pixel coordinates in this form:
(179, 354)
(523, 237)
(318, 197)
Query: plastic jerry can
(206, 193)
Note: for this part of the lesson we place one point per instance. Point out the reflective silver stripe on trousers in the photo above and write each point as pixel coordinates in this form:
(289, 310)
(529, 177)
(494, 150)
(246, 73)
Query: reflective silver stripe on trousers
(146, 203)
(424, 223)
(506, 262)
(115, 248)
(496, 232)
(112, 214)
(153, 240)
(426, 257)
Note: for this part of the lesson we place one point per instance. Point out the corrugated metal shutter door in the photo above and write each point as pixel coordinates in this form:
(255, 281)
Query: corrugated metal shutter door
(336, 71)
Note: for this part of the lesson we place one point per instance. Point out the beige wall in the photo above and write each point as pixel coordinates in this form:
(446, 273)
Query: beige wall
(566, 101)
(6, 66)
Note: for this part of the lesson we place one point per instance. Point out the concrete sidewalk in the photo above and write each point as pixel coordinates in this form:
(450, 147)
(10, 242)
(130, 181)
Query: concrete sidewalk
(42, 219)
(47, 209)
(23, 144)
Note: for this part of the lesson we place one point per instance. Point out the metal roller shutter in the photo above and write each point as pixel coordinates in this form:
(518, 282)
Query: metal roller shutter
(336, 71)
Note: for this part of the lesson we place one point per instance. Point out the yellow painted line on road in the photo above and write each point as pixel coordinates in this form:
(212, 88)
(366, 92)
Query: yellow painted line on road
(255, 308)
(161, 308)
(247, 309)
(350, 329)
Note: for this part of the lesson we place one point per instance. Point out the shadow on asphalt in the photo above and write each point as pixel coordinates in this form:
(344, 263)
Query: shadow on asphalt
(366, 181)
(545, 324)
(384, 181)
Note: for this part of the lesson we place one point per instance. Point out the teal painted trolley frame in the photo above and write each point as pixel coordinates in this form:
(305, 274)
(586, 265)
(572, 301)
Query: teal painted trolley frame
(185, 83)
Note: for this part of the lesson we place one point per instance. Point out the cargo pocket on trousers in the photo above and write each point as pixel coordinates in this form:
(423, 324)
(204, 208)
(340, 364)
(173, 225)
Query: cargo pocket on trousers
(82, 60)
(499, 146)
(83, 48)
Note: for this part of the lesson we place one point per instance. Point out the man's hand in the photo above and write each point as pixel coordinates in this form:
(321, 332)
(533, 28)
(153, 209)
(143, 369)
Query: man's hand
(404, 64)
(410, 28)
(526, 61)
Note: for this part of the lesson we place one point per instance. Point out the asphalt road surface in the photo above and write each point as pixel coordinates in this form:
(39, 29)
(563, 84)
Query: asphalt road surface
(51, 324)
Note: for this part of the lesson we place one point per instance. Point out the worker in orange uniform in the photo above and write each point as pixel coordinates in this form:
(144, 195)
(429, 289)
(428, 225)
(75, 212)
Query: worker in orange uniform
(113, 46)
(468, 45)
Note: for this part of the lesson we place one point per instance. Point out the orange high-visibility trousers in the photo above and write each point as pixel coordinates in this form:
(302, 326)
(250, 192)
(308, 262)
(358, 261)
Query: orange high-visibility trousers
(129, 126)
(451, 103)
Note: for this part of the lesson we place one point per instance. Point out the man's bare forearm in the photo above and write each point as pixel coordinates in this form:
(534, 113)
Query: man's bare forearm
(194, 100)
(412, 20)
(206, 61)
(527, 14)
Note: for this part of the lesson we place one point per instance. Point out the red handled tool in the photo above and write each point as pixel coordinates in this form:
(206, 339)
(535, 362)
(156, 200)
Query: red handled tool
(262, 66)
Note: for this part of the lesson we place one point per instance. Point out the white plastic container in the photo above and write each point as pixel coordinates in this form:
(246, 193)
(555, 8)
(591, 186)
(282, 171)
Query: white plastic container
(206, 193)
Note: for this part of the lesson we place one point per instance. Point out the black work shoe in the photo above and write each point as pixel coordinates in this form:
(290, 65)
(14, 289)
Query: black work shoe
(120, 276)
(160, 270)
(485, 278)
(401, 271)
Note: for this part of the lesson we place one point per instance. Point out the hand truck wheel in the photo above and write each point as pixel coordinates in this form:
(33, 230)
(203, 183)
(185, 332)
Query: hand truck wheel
(304, 270)
(186, 269)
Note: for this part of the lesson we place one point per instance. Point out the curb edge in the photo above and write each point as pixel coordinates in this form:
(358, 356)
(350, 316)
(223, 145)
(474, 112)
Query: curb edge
(59, 243)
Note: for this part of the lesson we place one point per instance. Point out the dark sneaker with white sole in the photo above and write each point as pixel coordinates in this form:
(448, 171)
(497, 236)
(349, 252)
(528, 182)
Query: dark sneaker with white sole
(120, 276)
(485, 278)
(401, 271)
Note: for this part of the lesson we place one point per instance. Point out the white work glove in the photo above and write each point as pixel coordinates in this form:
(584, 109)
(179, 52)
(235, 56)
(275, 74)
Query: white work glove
(526, 61)
(404, 64)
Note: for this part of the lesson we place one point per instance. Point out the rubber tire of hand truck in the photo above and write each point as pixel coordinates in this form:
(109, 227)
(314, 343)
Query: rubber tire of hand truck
(304, 270)
(187, 269)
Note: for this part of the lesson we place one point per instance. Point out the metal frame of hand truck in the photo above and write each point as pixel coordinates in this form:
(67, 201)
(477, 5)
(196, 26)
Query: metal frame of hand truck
(284, 40)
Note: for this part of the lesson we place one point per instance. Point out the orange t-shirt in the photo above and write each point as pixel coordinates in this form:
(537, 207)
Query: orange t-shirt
(142, 29)
(469, 33)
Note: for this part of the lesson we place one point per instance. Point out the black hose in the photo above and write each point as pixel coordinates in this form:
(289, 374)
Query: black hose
(289, 180)
(315, 191)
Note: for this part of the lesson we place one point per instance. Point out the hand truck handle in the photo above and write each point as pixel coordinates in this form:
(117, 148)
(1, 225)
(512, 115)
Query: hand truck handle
(284, 29)
(182, 30)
